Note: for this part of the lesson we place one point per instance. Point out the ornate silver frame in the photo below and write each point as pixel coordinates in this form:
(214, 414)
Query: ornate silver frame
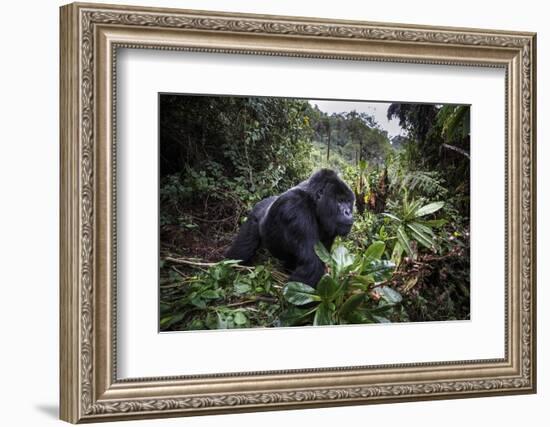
(90, 35)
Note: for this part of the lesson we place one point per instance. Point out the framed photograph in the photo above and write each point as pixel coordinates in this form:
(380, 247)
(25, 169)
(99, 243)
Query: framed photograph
(267, 212)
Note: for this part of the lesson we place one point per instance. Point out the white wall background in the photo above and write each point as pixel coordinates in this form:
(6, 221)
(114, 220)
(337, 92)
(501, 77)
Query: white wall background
(29, 171)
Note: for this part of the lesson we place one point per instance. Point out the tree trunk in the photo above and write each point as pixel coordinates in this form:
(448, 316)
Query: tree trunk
(328, 142)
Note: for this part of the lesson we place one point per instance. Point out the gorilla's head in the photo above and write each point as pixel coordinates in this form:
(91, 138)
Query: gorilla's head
(334, 202)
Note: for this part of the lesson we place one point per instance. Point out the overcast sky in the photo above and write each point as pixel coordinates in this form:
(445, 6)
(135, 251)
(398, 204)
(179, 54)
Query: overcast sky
(376, 109)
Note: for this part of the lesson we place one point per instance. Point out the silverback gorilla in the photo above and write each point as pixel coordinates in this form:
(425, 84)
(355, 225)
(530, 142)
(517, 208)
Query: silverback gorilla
(289, 225)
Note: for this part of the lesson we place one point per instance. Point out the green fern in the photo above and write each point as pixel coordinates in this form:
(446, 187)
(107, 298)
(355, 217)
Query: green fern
(428, 184)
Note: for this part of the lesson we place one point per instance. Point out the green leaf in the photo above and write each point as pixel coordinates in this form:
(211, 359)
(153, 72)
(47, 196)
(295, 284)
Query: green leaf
(322, 252)
(380, 270)
(222, 322)
(357, 265)
(198, 302)
(358, 317)
(378, 265)
(327, 287)
(412, 208)
(429, 209)
(403, 240)
(295, 315)
(434, 222)
(391, 216)
(397, 253)
(239, 318)
(351, 304)
(210, 294)
(342, 258)
(375, 250)
(241, 288)
(299, 293)
(323, 315)
(363, 281)
(381, 319)
(381, 309)
(211, 320)
(170, 320)
(390, 294)
(195, 324)
(382, 234)
(424, 228)
(419, 235)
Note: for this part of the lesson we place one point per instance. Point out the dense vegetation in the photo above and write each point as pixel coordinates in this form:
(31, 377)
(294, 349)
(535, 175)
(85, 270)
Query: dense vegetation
(406, 259)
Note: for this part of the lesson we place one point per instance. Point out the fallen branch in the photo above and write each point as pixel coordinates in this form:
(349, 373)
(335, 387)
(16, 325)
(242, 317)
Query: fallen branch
(179, 272)
(253, 300)
(212, 221)
(189, 262)
(194, 263)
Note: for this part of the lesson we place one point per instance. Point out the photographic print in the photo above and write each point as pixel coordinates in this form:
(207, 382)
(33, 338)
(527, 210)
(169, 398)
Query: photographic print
(332, 221)
(278, 212)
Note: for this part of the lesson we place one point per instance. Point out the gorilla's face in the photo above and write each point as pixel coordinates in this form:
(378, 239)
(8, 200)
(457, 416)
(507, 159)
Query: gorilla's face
(334, 206)
(337, 213)
(344, 220)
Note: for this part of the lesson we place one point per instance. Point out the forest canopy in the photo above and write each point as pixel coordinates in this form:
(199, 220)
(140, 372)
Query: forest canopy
(409, 245)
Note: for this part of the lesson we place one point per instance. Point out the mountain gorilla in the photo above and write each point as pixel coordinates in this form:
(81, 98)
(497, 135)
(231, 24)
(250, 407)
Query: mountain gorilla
(289, 225)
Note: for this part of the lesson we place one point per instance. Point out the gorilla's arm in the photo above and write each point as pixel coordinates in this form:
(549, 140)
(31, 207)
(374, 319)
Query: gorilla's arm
(248, 240)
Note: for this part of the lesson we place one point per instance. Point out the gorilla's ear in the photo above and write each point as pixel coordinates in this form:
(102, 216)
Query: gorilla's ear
(320, 193)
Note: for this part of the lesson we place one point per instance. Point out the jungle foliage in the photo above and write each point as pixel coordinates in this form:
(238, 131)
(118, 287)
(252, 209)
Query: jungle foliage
(406, 258)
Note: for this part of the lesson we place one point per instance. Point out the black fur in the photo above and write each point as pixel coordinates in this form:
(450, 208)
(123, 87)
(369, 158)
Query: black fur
(289, 225)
